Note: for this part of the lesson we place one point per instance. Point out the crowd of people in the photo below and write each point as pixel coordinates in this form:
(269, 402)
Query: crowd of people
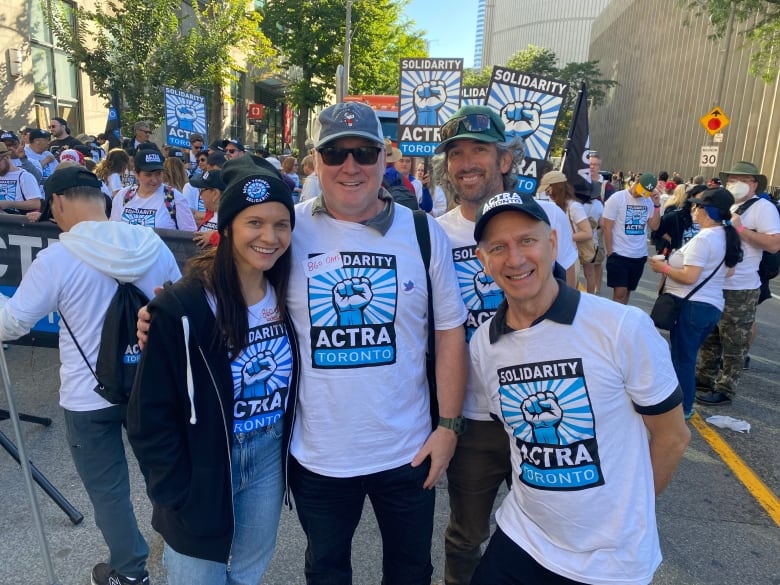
(316, 350)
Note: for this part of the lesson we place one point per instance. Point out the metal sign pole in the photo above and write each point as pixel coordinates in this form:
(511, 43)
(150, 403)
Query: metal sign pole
(25, 463)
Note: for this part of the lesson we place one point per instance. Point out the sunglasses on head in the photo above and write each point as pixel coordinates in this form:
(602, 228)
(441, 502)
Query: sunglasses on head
(363, 155)
(471, 122)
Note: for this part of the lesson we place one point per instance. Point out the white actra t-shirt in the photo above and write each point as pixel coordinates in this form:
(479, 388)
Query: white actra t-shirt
(358, 301)
(582, 501)
(630, 215)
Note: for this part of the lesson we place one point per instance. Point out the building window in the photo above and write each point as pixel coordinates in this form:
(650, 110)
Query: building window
(55, 79)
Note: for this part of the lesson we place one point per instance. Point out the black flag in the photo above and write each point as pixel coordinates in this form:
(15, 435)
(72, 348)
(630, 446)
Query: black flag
(576, 165)
(114, 123)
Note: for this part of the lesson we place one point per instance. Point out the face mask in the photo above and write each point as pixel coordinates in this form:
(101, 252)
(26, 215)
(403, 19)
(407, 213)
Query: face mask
(738, 189)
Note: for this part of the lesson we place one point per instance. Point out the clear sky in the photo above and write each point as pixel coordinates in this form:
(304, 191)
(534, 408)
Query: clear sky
(450, 25)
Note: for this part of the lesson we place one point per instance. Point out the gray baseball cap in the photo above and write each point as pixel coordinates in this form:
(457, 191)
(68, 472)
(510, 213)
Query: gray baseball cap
(346, 120)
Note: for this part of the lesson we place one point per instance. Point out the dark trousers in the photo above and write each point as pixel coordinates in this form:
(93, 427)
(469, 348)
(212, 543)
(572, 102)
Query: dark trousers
(505, 563)
(329, 509)
(480, 465)
(95, 439)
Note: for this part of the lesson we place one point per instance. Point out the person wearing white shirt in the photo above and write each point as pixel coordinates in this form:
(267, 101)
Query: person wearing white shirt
(77, 277)
(552, 366)
(627, 215)
(722, 354)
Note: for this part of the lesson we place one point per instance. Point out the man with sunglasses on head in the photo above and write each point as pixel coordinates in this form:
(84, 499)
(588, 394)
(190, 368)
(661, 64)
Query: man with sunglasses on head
(358, 298)
(478, 161)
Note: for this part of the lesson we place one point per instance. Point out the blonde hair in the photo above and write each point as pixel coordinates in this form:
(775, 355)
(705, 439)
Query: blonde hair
(678, 197)
(174, 173)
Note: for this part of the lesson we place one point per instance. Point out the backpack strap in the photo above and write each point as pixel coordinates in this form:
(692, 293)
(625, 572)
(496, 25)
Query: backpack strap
(746, 205)
(424, 242)
(170, 203)
(129, 194)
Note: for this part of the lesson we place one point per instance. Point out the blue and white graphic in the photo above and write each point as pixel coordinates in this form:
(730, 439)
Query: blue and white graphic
(261, 375)
(548, 408)
(529, 106)
(352, 311)
(145, 217)
(185, 113)
(430, 95)
(480, 293)
(8, 190)
(636, 219)
(257, 190)
(473, 96)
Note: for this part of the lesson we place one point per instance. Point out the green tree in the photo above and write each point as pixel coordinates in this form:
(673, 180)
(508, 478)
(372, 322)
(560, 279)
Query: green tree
(310, 35)
(542, 61)
(762, 29)
(137, 46)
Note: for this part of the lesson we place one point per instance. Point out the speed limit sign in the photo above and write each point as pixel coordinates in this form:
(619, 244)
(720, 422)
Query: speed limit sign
(709, 156)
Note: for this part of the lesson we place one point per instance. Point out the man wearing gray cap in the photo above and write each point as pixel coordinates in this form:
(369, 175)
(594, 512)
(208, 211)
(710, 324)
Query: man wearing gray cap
(358, 300)
(552, 367)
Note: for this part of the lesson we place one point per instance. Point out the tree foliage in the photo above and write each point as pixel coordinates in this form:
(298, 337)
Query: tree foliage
(761, 28)
(542, 61)
(310, 34)
(138, 46)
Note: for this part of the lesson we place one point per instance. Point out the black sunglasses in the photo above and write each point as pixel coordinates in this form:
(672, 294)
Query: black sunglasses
(471, 122)
(363, 155)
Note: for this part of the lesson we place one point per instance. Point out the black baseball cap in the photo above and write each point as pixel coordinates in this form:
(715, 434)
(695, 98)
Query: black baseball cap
(209, 180)
(63, 179)
(38, 133)
(507, 202)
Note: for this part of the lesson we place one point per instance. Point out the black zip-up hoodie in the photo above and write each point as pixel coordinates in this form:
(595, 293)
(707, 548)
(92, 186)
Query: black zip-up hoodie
(179, 422)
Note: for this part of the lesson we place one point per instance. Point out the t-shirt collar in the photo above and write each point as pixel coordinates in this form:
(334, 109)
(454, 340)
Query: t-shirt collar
(562, 310)
(380, 222)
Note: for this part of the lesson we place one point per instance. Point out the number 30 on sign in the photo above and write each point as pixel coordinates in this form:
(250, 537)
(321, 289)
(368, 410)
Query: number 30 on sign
(709, 156)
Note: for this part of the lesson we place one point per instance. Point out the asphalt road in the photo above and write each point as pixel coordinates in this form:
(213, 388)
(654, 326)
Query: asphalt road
(713, 530)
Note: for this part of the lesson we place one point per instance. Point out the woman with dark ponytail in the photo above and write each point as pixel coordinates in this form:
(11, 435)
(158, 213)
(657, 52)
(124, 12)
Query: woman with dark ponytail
(704, 263)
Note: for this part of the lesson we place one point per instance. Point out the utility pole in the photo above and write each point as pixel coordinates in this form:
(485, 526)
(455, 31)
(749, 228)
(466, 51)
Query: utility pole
(347, 43)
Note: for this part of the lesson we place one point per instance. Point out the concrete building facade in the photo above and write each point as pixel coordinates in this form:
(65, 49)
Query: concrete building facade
(562, 26)
(670, 75)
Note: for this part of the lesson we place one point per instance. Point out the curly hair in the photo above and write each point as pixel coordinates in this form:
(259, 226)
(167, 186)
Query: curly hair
(515, 146)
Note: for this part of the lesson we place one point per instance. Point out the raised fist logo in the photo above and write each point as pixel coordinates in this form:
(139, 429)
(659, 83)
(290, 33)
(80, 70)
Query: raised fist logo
(490, 296)
(350, 297)
(544, 414)
(521, 118)
(429, 97)
(256, 373)
(186, 115)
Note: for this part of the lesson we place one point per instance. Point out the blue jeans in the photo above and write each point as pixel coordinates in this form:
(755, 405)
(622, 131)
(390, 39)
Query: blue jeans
(329, 509)
(95, 439)
(257, 505)
(696, 322)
